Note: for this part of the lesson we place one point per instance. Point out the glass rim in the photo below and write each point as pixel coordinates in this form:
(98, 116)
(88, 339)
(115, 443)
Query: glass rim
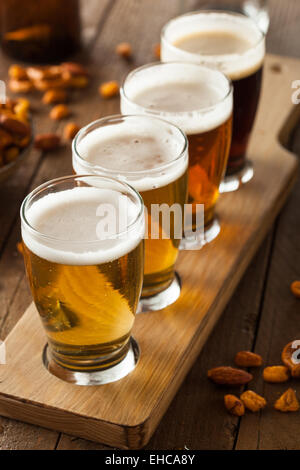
(224, 57)
(166, 64)
(55, 182)
(117, 117)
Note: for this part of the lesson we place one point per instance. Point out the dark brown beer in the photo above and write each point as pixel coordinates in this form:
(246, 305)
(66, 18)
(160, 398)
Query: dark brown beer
(246, 99)
(233, 44)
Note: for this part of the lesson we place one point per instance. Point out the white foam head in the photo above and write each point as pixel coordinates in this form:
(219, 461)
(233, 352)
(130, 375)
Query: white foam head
(195, 98)
(63, 227)
(145, 152)
(236, 64)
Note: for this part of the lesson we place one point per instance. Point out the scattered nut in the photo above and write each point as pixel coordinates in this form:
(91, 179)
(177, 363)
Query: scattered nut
(17, 72)
(253, 401)
(71, 130)
(47, 141)
(290, 357)
(248, 359)
(287, 402)
(124, 50)
(20, 86)
(156, 51)
(234, 405)
(74, 68)
(60, 111)
(229, 376)
(55, 95)
(109, 89)
(14, 125)
(295, 288)
(78, 81)
(276, 374)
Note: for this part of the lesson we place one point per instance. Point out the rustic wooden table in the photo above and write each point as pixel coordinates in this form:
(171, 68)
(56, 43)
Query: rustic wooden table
(262, 316)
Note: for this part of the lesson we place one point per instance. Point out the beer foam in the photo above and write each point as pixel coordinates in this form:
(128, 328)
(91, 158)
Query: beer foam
(231, 42)
(195, 98)
(65, 221)
(146, 153)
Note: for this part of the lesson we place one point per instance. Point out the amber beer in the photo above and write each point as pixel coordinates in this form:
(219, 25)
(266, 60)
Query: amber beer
(86, 290)
(151, 155)
(199, 101)
(234, 44)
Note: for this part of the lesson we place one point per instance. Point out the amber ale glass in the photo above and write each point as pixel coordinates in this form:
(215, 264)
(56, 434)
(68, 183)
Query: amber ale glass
(85, 282)
(39, 30)
(235, 45)
(152, 156)
(199, 101)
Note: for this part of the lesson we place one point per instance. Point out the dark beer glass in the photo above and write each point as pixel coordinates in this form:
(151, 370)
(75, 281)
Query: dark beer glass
(235, 45)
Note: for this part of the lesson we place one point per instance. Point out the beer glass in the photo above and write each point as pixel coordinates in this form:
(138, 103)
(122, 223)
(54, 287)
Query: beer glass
(199, 101)
(235, 45)
(84, 262)
(152, 156)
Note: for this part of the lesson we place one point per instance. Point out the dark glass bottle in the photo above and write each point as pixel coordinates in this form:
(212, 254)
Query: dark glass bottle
(40, 30)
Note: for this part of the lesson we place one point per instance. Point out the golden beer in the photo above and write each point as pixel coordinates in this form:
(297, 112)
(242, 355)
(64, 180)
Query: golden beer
(151, 155)
(199, 101)
(235, 45)
(86, 290)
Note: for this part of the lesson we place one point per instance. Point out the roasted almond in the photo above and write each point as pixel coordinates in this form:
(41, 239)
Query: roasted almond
(229, 376)
(20, 86)
(124, 50)
(47, 141)
(74, 68)
(109, 89)
(17, 72)
(295, 289)
(13, 125)
(248, 359)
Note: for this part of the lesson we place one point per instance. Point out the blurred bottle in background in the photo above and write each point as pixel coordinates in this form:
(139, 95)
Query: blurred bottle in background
(255, 9)
(39, 30)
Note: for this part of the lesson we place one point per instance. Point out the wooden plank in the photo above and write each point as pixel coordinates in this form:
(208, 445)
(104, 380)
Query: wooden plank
(279, 325)
(124, 413)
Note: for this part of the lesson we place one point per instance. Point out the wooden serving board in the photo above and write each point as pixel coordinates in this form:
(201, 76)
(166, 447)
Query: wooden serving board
(124, 414)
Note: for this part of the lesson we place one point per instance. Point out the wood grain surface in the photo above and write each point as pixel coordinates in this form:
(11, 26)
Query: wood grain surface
(196, 417)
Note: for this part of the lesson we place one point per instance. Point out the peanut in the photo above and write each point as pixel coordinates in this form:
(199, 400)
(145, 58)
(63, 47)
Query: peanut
(124, 50)
(287, 402)
(60, 111)
(20, 86)
(253, 401)
(17, 72)
(248, 359)
(71, 130)
(276, 374)
(295, 289)
(234, 405)
(55, 95)
(229, 376)
(47, 142)
(109, 89)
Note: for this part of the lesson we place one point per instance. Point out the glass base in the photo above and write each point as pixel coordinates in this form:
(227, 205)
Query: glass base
(100, 377)
(198, 240)
(236, 180)
(162, 299)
